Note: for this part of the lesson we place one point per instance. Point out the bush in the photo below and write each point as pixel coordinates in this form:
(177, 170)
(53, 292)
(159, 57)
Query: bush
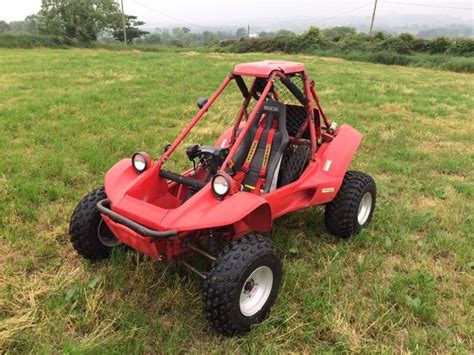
(22, 40)
(311, 40)
(420, 45)
(388, 58)
(381, 49)
(439, 45)
(335, 34)
(459, 64)
(354, 42)
(462, 46)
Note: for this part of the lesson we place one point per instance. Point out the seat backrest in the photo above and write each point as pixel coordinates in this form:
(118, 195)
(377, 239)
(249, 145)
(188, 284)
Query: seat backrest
(274, 110)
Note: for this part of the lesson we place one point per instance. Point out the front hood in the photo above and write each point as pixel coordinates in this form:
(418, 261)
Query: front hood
(203, 210)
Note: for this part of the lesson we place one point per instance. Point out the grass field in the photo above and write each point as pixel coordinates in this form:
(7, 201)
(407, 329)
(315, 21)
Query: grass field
(403, 285)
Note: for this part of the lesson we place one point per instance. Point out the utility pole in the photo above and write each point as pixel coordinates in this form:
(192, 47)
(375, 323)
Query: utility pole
(373, 18)
(248, 31)
(123, 23)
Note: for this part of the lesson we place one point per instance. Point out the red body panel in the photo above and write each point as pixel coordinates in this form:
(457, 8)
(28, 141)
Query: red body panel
(136, 241)
(333, 161)
(157, 204)
(242, 211)
(207, 210)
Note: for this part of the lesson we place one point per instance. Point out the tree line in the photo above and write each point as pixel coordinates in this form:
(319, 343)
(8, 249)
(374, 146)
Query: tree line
(62, 23)
(86, 21)
(455, 54)
(346, 39)
(78, 21)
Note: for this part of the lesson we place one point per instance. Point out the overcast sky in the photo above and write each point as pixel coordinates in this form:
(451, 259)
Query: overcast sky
(207, 13)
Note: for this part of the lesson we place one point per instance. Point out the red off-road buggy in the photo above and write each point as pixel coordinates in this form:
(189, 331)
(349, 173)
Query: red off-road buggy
(280, 155)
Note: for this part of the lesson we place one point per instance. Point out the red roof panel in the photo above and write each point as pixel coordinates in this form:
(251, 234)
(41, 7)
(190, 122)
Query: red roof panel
(264, 68)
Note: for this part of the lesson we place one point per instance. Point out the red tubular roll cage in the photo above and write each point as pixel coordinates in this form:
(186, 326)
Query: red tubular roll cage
(309, 93)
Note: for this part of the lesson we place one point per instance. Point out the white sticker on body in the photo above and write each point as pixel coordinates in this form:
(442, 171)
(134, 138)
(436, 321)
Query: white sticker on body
(327, 165)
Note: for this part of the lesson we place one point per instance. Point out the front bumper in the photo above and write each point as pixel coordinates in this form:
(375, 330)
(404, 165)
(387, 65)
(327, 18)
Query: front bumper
(136, 227)
(147, 241)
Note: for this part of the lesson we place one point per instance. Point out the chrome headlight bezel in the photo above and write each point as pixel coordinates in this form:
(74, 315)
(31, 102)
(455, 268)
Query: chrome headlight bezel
(141, 161)
(221, 185)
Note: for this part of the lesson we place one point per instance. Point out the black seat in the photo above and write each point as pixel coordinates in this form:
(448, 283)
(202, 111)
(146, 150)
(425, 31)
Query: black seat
(274, 111)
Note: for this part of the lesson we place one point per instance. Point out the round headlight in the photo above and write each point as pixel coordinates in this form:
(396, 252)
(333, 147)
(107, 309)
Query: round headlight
(141, 161)
(220, 185)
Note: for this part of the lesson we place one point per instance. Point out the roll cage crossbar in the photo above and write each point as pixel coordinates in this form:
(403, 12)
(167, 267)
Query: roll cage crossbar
(284, 79)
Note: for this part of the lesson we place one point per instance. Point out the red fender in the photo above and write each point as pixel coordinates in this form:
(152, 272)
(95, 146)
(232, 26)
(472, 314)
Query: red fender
(119, 179)
(333, 160)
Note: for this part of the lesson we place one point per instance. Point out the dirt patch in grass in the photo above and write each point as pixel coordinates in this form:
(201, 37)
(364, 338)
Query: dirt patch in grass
(395, 108)
(442, 147)
(324, 59)
(327, 91)
(191, 54)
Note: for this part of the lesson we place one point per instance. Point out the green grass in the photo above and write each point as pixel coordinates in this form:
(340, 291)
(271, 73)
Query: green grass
(403, 285)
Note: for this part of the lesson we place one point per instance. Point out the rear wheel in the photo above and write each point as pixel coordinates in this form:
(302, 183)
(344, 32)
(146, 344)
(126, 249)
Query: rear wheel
(353, 206)
(242, 285)
(89, 234)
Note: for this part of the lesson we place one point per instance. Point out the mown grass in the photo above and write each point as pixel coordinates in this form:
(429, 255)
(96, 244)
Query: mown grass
(403, 285)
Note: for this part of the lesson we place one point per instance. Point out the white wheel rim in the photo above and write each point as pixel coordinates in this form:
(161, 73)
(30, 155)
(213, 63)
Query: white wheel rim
(107, 239)
(365, 207)
(256, 290)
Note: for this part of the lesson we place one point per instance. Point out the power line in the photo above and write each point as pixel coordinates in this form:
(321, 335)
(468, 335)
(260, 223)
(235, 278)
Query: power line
(319, 21)
(169, 16)
(344, 13)
(428, 5)
(198, 25)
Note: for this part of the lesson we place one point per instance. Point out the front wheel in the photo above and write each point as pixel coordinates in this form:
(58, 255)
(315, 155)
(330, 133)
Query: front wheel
(89, 234)
(242, 285)
(353, 206)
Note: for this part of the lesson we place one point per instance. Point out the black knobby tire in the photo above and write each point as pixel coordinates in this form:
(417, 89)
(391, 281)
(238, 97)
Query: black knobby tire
(341, 215)
(84, 226)
(229, 273)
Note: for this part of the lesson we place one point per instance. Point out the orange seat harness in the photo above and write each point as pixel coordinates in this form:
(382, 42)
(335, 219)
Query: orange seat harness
(240, 176)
